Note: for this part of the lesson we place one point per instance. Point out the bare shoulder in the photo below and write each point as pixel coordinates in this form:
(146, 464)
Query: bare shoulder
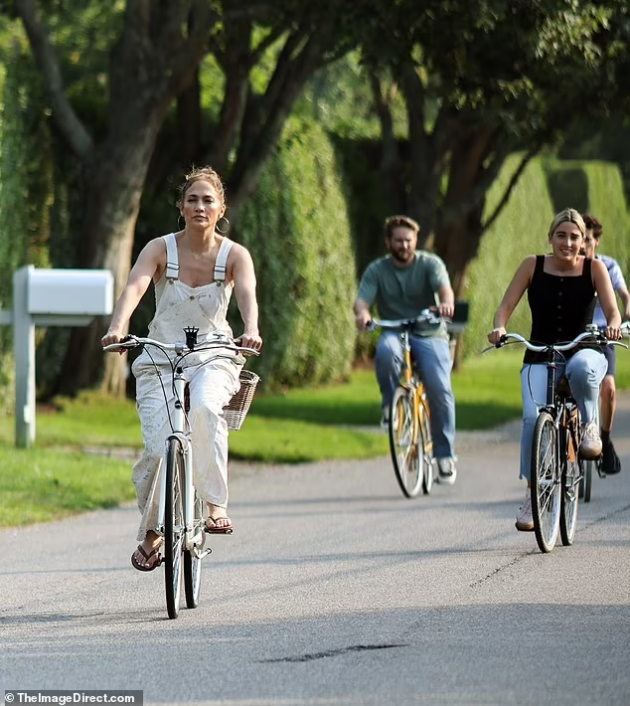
(155, 248)
(529, 262)
(599, 267)
(239, 255)
(152, 259)
(526, 268)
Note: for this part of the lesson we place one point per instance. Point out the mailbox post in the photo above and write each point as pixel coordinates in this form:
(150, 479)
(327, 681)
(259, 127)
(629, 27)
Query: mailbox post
(48, 298)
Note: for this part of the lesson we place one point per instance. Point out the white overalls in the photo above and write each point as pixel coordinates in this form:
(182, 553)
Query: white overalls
(212, 384)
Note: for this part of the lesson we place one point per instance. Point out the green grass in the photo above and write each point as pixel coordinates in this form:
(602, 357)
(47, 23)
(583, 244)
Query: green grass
(487, 392)
(39, 485)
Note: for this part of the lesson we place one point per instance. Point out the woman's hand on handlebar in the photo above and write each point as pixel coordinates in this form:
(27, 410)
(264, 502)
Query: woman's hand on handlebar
(112, 337)
(612, 333)
(250, 339)
(496, 335)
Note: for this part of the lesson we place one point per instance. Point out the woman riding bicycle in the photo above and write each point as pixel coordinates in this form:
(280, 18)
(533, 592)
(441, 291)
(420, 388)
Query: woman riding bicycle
(561, 290)
(194, 273)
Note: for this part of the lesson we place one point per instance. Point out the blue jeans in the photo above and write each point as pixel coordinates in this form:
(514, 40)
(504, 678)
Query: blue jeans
(433, 359)
(585, 371)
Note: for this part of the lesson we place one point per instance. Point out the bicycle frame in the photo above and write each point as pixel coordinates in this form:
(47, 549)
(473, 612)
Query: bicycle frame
(407, 378)
(193, 540)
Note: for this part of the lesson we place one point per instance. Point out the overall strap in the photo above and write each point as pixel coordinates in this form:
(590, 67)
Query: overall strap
(172, 261)
(220, 267)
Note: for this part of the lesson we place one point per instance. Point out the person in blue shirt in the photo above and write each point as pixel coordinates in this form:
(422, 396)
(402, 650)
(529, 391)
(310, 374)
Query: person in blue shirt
(594, 231)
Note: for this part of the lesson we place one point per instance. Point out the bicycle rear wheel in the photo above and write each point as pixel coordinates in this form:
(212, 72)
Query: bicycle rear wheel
(173, 526)
(192, 562)
(571, 478)
(545, 483)
(403, 442)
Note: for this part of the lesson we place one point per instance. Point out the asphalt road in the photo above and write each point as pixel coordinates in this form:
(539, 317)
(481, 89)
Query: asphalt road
(334, 589)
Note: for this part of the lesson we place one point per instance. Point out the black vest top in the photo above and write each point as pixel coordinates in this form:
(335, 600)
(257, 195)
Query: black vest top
(561, 308)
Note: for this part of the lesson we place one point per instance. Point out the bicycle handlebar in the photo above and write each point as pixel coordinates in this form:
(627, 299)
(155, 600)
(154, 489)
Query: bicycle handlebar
(426, 316)
(216, 340)
(595, 335)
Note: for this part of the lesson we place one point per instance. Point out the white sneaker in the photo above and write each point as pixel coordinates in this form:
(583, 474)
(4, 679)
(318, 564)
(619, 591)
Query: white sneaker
(591, 443)
(524, 517)
(447, 473)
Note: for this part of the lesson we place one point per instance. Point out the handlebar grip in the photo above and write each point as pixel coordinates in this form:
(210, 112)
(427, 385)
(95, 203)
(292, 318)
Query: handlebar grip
(501, 342)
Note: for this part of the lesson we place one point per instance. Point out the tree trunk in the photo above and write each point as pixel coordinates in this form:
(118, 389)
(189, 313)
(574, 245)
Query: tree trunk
(457, 240)
(113, 187)
(390, 166)
(428, 154)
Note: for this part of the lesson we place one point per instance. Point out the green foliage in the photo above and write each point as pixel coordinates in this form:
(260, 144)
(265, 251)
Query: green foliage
(606, 200)
(24, 185)
(296, 228)
(520, 230)
(596, 188)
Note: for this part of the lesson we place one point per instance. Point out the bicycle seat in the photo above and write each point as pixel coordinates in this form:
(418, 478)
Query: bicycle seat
(562, 388)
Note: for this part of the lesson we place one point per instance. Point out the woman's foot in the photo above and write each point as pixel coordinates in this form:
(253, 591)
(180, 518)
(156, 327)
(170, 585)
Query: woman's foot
(147, 555)
(218, 522)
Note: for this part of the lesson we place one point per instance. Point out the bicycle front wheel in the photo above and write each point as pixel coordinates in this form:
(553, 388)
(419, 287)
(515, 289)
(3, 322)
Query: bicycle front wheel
(174, 529)
(571, 478)
(545, 483)
(192, 561)
(425, 446)
(588, 467)
(403, 442)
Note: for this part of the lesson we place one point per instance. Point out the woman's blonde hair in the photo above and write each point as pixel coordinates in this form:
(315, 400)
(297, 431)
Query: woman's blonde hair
(569, 215)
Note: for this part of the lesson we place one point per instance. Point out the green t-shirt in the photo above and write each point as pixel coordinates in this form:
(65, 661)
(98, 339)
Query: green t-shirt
(403, 292)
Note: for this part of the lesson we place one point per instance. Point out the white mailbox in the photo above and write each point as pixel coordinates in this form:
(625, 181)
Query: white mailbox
(69, 293)
(48, 298)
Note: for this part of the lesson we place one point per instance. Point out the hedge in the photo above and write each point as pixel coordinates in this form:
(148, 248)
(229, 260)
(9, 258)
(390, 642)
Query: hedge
(296, 228)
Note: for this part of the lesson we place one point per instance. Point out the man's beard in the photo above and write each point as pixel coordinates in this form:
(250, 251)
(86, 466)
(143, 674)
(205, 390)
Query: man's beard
(402, 257)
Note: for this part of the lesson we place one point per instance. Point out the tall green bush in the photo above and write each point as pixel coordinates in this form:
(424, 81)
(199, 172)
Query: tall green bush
(296, 227)
(22, 207)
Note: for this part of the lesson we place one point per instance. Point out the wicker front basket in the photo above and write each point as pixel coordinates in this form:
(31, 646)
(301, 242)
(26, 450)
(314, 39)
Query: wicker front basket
(238, 407)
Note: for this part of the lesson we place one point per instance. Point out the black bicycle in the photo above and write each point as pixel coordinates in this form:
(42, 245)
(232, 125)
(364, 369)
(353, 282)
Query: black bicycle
(557, 469)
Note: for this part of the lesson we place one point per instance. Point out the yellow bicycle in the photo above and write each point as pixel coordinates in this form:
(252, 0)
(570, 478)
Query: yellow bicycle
(410, 440)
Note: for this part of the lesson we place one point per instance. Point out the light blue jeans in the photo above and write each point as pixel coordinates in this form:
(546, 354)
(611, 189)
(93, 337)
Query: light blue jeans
(585, 371)
(433, 358)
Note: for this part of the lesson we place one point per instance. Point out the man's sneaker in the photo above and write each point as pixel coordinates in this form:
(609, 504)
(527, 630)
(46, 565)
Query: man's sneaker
(447, 473)
(524, 517)
(591, 444)
(610, 461)
(385, 418)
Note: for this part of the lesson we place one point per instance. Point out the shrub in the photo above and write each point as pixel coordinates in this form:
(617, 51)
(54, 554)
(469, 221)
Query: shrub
(296, 227)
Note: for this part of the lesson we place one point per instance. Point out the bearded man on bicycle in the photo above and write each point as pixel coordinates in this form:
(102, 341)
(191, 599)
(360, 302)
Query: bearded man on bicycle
(401, 285)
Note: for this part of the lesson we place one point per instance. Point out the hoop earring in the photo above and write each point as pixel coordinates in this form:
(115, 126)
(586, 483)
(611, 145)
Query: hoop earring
(226, 225)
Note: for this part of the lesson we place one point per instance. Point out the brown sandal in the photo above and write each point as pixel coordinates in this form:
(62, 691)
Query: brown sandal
(213, 526)
(151, 567)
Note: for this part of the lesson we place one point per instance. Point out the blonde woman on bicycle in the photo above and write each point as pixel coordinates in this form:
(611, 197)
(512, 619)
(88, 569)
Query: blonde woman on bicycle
(194, 273)
(561, 289)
